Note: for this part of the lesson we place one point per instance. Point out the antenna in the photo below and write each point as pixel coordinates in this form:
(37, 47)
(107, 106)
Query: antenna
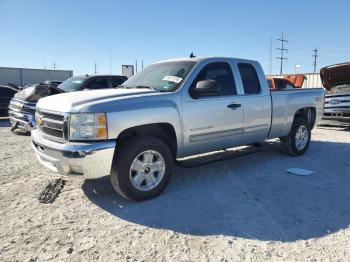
(282, 49)
(315, 55)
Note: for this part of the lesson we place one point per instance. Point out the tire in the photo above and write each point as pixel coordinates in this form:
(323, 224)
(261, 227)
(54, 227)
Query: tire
(137, 170)
(298, 140)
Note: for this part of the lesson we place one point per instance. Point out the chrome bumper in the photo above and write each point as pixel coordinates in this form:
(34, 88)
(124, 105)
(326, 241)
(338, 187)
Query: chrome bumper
(23, 121)
(337, 114)
(90, 159)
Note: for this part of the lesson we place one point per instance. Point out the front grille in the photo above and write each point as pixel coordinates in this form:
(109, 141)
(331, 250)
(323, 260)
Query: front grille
(52, 125)
(22, 107)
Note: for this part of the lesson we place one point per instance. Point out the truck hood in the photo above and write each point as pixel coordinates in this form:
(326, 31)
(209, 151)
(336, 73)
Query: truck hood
(75, 101)
(34, 92)
(335, 75)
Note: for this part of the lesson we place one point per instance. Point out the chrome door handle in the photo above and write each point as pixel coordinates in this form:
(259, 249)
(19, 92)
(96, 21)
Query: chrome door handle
(234, 106)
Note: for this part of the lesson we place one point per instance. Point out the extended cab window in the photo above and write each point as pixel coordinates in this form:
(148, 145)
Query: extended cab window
(116, 81)
(221, 73)
(250, 79)
(97, 83)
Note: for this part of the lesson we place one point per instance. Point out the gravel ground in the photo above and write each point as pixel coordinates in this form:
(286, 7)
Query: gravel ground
(244, 209)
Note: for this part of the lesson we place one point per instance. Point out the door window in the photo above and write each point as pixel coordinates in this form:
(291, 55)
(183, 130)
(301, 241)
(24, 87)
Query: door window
(98, 83)
(116, 81)
(250, 79)
(221, 73)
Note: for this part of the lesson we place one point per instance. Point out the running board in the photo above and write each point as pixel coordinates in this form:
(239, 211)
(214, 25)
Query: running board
(219, 156)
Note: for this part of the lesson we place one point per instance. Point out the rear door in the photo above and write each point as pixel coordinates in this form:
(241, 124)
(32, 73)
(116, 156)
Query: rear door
(256, 102)
(212, 121)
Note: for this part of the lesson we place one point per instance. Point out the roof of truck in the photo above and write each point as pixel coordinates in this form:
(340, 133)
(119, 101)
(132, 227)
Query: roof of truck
(201, 58)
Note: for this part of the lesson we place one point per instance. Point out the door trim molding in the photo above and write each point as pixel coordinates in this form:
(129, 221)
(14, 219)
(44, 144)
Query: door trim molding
(214, 135)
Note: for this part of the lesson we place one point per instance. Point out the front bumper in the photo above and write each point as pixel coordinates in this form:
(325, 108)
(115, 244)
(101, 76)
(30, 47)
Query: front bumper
(338, 114)
(22, 121)
(90, 159)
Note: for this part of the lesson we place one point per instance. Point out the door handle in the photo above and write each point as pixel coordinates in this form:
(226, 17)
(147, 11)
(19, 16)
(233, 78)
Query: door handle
(234, 106)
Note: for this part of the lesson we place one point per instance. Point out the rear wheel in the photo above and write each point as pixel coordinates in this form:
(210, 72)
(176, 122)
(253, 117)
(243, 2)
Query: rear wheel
(298, 140)
(141, 168)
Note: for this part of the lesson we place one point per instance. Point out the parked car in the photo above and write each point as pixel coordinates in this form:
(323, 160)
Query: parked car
(6, 94)
(336, 79)
(287, 82)
(171, 109)
(22, 106)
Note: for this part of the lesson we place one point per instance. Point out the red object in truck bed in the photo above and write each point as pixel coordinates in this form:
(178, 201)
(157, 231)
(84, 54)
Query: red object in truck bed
(287, 82)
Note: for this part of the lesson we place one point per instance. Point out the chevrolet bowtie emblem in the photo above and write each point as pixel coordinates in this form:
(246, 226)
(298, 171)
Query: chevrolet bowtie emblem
(40, 121)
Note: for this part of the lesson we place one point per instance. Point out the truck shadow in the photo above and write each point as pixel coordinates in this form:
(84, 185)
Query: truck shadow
(250, 197)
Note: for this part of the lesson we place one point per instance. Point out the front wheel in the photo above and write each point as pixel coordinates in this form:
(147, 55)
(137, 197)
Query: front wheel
(141, 168)
(298, 140)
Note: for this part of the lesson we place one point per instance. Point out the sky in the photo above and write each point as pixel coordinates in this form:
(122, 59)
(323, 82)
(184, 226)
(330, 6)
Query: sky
(75, 35)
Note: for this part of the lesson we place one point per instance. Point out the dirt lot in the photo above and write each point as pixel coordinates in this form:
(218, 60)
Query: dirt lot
(246, 209)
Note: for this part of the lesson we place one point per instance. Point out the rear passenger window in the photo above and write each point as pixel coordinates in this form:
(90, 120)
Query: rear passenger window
(251, 83)
(220, 72)
(98, 83)
(117, 81)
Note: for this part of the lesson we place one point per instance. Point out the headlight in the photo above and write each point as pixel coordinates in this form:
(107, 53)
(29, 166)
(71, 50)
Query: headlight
(88, 126)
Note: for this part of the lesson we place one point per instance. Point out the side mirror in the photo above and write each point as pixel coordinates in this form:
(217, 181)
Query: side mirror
(206, 87)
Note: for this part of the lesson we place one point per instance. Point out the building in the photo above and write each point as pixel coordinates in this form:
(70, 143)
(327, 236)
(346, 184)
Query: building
(25, 76)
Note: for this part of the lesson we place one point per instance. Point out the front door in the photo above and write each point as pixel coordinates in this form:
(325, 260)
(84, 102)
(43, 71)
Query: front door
(215, 120)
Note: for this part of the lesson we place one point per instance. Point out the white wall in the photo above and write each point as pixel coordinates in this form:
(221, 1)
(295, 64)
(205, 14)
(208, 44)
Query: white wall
(24, 76)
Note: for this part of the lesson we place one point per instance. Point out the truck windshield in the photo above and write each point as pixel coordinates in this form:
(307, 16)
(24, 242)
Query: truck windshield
(72, 84)
(165, 76)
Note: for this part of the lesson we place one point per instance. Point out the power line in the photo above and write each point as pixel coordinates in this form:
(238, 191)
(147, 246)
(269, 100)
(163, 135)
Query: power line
(315, 55)
(282, 50)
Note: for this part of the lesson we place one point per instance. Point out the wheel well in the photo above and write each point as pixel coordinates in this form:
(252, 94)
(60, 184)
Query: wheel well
(163, 131)
(308, 113)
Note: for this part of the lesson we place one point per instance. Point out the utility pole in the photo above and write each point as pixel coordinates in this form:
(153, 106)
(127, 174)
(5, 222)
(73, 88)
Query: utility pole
(136, 66)
(315, 55)
(270, 57)
(95, 68)
(54, 65)
(282, 50)
(142, 64)
(110, 60)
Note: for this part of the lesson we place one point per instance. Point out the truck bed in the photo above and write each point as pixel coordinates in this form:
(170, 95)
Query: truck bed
(286, 102)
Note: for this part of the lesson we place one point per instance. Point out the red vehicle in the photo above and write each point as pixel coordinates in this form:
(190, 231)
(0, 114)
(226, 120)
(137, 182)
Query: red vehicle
(287, 82)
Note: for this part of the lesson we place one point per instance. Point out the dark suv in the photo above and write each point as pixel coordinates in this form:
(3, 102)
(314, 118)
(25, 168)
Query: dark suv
(22, 106)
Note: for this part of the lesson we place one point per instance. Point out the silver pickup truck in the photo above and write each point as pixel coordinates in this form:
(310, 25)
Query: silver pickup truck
(171, 109)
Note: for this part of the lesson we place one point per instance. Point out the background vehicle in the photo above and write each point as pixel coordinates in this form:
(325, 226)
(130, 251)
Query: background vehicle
(336, 79)
(171, 109)
(287, 82)
(22, 106)
(6, 94)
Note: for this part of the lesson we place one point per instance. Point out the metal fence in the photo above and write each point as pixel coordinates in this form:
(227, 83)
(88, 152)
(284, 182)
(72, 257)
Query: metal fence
(312, 80)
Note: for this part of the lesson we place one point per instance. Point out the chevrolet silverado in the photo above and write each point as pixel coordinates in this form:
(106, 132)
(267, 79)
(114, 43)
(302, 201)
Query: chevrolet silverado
(170, 110)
